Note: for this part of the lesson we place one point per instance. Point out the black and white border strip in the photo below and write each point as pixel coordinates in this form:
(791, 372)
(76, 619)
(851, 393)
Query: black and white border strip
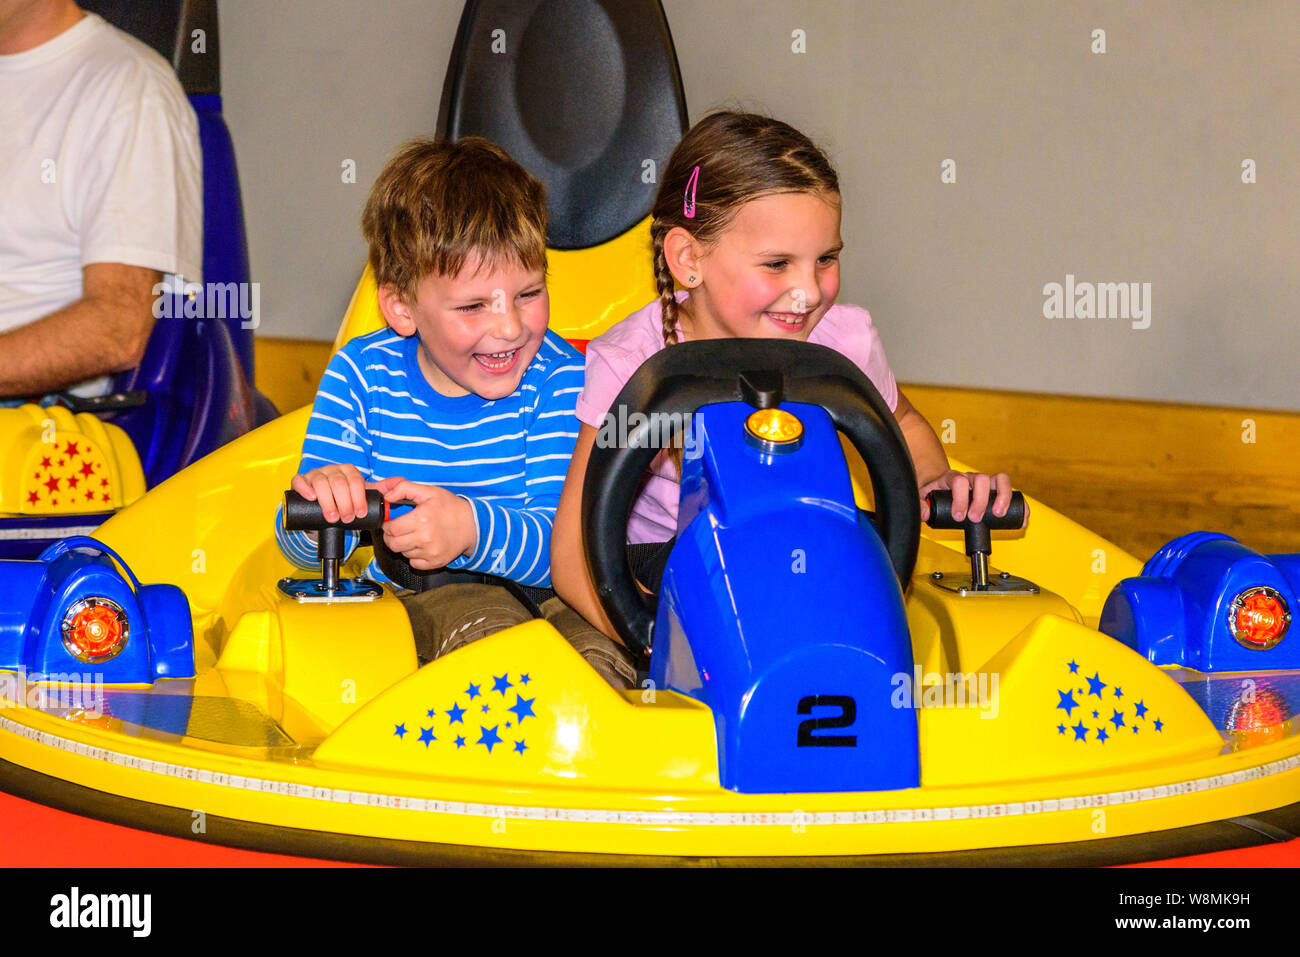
(654, 818)
(44, 533)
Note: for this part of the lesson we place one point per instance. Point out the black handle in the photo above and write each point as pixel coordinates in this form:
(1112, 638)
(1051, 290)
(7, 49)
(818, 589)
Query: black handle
(113, 402)
(977, 533)
(941, 512)
(301, 515)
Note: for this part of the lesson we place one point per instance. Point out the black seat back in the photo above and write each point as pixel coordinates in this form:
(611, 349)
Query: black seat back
(585, 94)
(169, 27)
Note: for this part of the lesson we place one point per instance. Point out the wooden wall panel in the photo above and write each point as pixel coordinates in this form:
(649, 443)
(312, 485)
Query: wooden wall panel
(1139, 473)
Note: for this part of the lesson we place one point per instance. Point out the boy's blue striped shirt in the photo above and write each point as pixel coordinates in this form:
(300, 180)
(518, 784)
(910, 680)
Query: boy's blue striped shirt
(506, 457)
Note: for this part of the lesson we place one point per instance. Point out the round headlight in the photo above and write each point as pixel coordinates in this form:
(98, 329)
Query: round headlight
(773, 430)
(95, 629)
(1258, 618)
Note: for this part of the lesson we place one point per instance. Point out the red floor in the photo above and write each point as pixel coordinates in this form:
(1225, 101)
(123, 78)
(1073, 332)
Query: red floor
(1264, 855)
(32, 835)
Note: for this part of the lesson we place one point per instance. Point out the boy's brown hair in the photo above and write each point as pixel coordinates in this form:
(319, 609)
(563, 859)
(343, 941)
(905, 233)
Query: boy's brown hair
(438, 202)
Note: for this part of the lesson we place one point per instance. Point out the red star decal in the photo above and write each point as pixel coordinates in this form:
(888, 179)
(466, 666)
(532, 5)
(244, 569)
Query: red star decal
(52, 484)
(104, 496)
(72, 481)
(103, 483)
(45, 462)
(70, 448)
(32, 497)
(37, 476)
(87, 469)
(62, 462)
(54, 501)
(90, 496)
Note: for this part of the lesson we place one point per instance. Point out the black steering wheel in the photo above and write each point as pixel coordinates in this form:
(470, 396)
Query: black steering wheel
(763, 372)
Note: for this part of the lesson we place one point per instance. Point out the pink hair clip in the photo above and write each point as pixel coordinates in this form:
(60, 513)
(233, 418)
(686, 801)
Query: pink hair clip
(688, 205)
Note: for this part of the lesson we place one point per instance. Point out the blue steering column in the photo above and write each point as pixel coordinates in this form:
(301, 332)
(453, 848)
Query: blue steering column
(780, 610)
(781, 606)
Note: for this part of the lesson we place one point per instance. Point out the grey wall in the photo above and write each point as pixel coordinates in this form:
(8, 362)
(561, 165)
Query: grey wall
(1115, 167)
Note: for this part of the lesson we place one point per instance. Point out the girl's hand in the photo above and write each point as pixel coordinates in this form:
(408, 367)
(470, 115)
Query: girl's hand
(436, 532)
(970, 493)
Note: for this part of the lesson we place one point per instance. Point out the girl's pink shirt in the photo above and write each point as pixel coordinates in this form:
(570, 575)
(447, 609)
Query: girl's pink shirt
(614, 356)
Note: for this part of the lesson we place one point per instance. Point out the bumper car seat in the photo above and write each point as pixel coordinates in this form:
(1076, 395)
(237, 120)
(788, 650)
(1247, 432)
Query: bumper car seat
(588, 98)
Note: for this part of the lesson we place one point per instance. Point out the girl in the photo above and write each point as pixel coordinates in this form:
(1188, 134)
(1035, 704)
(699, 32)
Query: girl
(747, 222)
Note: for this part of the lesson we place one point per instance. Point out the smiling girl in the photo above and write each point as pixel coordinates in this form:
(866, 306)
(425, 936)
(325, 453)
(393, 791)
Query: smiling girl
(746, 236)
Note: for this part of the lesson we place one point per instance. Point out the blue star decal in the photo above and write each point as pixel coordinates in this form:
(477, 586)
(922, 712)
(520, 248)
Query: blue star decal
(400, 730)
(489, 737)
(520, 747)
(1102, 735)
(472, 691)
(1080, 732)
(1074, 667)
(1060, 728)
(1135, 729)
(1141, 710)
(1067, 702)
(1119, 692)
(1159, 724)
(502, 683)
(426, 735)
(523, 708)
(486, 708)
(524, 678)
(1095, 684)
(456, 714)
(1096, 714)
(430, 713)
(460, 742)
(1118, 720)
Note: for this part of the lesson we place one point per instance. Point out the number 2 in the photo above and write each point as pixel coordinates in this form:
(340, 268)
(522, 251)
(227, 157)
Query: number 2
(848, 714)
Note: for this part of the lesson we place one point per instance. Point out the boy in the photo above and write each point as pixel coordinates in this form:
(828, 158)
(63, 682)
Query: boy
(463, 405)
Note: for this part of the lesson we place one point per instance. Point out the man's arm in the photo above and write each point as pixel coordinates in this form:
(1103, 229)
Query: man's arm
(105, 331)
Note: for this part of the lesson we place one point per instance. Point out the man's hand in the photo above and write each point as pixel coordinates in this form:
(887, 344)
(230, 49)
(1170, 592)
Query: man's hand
(340, 490)
(970, 493)
(433, 534)
(103, 332)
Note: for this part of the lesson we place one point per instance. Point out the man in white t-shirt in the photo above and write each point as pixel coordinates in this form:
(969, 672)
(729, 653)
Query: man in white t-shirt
(100, 195)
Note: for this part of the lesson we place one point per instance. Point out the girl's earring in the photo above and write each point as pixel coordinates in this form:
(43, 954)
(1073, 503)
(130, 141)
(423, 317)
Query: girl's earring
(690, 281)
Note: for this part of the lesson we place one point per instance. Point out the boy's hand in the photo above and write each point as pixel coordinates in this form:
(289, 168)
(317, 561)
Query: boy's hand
(971, 492)
(340, 490)
(436, 532)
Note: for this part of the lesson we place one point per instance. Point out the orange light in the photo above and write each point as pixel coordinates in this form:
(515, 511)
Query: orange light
(1259, 720)
(1258, 618)
(94, 629)
(775, 426)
